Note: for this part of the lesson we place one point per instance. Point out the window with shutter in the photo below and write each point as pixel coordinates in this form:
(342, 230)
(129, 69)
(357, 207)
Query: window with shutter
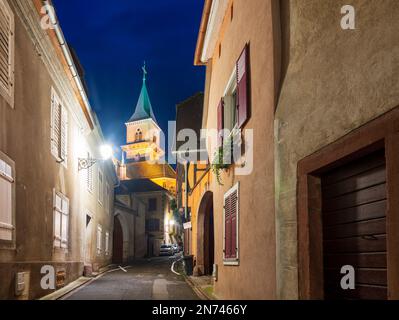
(243, 88)
(61, 220)
(6, 52)
(100, 188)
(89, 176)
(107, 243)
(231, 210)
(99, 239)
(64, 137)
(59, 129)
(6, 201)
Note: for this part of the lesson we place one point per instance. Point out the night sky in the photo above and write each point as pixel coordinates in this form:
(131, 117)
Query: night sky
(113, 38)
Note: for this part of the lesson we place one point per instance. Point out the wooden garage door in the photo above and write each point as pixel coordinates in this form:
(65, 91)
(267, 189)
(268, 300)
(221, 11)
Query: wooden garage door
(354, 228)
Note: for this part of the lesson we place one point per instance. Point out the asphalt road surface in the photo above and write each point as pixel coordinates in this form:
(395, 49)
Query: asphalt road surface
(145, 280)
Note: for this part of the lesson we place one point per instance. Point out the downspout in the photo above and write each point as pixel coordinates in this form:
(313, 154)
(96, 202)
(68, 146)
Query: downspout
(68, 58)
(186, 190)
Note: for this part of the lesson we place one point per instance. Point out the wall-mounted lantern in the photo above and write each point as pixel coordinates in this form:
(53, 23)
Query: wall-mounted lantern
(106, 154)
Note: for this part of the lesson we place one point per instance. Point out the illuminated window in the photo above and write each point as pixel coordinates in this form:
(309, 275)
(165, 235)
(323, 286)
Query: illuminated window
(139, 135)
(7, 185)
(61, 220)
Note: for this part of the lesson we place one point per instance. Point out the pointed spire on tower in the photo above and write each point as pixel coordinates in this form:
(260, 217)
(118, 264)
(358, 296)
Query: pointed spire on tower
(143, 108)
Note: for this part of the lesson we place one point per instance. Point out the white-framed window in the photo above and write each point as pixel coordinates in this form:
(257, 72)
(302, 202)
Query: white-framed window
(230, 226)
(59, 129)
(100, 187)
(107, 243)
(89, 176)
(99, 239)
(7, 29)
(61, 220)
(230, 104)
(7, 178)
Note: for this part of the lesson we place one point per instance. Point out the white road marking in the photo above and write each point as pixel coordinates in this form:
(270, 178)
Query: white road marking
(160, 289)
(124, 270)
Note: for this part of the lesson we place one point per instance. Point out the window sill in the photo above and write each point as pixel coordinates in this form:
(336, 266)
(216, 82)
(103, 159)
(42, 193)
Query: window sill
(232, 262)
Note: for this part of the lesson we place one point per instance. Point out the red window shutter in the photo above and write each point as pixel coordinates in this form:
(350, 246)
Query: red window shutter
(227, 228)
(233, 218)
(243, 88)
(220, 122)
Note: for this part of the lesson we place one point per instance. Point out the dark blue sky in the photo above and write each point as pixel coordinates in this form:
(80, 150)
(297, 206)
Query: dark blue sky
(113, 38)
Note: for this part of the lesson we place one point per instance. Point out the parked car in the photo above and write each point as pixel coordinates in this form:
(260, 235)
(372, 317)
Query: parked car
(166, 250)
(175, 248)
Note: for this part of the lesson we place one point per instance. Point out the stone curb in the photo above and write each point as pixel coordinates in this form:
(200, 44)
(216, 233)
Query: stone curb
(197, 289)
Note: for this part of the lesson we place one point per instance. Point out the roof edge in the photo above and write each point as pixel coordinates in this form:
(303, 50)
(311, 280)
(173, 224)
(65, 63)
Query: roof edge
(202, 33)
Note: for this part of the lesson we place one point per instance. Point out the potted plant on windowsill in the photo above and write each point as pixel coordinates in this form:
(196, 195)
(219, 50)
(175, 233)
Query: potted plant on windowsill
(219, 163)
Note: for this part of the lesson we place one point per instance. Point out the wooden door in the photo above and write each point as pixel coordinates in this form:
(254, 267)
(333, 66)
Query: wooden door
(354, 208)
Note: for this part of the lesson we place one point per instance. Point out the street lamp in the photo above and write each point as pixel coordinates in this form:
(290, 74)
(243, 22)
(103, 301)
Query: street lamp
(106, 154)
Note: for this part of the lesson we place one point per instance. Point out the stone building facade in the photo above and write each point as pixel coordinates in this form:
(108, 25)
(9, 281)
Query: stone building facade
(52, 213)
(322, 101)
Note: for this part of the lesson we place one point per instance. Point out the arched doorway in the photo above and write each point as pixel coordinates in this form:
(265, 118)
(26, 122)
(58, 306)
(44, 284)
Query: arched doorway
(117, 242)
(205, 236)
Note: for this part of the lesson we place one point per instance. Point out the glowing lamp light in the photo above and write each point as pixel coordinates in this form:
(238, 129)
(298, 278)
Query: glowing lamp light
(106, 152)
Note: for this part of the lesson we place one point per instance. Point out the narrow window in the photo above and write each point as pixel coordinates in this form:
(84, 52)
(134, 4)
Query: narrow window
(99, 239)
(6, 200)
(61, 220)
(231, 211)
(107, 243)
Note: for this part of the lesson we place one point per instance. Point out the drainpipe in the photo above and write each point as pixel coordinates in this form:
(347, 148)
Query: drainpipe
(186, 189)
(68, 57)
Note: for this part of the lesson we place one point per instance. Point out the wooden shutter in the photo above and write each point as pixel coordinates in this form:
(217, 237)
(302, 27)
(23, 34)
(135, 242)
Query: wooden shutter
(57, 219)
(6, 47)
(99, 238)
(227, 227)
(6, 181)
(107, 243)
(233, 218)
(243, 88)
(64, 223)
(220, 123)
(89, 177)
(231, 224)
(64, 136)
(55, 126)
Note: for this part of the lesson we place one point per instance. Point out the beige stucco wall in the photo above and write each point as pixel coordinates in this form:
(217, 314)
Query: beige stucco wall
(25, 138)
(336, 80)
(254, 278)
